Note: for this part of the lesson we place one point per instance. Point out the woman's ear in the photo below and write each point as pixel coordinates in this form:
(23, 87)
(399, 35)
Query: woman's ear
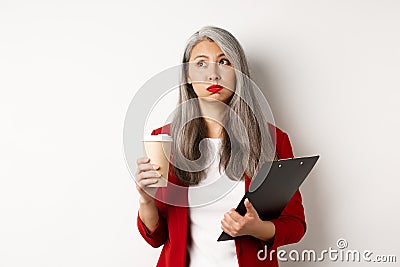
(189, 81)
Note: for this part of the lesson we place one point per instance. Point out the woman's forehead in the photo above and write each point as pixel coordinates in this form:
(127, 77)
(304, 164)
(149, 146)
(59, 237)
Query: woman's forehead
(206, 48)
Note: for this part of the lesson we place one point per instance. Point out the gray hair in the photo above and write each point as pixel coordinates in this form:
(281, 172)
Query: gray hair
(188, 129)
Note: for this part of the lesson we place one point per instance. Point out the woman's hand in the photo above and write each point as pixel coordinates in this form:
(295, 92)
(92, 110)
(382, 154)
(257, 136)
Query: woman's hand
(250, 224)
(146, 174)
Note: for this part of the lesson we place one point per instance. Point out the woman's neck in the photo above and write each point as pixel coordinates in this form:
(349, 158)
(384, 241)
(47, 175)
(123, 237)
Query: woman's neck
(214, 129)
(213, 113)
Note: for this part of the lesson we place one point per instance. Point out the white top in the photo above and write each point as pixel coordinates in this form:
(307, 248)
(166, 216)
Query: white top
(208, 203)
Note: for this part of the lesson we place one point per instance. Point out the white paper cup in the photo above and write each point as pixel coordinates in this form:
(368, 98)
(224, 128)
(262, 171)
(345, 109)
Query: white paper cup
(158, 149)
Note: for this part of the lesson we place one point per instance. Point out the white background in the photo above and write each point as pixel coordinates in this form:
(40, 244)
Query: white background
(69, 69)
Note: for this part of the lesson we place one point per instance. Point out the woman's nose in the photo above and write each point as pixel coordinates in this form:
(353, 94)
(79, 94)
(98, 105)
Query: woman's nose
(214, 73)
(214, 77)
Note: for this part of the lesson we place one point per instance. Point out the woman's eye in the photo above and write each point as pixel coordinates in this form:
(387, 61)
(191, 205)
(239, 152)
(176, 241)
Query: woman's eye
(224, 62)
(201, 64)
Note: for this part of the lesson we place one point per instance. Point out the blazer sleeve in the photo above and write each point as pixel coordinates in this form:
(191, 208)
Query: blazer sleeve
(290, 226)
(159, 235)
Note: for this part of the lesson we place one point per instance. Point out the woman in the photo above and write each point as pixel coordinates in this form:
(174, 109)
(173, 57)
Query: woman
(213, 88)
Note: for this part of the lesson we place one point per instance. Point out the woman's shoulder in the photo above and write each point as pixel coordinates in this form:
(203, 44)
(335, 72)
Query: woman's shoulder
(282, 141)
(276, 131)
(166, 129)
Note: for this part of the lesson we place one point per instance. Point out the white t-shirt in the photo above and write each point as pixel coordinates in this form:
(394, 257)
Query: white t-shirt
(208, 203)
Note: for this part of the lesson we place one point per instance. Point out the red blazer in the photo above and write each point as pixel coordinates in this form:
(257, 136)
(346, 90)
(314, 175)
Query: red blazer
(172, 229)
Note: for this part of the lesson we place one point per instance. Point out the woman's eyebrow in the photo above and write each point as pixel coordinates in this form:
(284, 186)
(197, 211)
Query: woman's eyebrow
(220, 55)
(201, 56)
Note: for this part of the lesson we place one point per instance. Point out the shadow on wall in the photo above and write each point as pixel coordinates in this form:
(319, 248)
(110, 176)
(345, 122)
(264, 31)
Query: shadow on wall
(314, 203)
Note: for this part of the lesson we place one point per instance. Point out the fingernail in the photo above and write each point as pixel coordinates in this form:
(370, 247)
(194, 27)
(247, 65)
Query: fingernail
(155, 166)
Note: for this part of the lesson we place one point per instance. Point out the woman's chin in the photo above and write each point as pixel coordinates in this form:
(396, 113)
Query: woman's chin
(215, 96)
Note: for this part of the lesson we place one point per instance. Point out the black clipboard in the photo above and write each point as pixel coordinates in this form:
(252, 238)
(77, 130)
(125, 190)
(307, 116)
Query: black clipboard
(274, 186)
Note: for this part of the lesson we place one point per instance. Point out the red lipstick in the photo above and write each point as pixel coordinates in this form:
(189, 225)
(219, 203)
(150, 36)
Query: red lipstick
(214, 88)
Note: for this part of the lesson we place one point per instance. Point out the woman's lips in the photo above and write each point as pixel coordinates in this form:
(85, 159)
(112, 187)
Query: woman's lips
(214, 88)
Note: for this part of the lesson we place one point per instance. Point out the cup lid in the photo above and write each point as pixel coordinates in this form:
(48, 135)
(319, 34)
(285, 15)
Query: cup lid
(158, 137)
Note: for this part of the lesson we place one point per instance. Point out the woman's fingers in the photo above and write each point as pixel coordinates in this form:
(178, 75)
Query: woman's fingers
(143, 164)
(231, 221)
(226, 228)
(146, 171)
(235, 216)
(146, 167)
(142, 160)
(146, 182)
(147, 175)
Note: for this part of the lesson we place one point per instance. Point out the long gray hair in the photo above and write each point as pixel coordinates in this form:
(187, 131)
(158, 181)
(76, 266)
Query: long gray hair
(188, 128)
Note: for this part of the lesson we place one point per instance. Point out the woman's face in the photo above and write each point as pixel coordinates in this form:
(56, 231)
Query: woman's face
(210, 72)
